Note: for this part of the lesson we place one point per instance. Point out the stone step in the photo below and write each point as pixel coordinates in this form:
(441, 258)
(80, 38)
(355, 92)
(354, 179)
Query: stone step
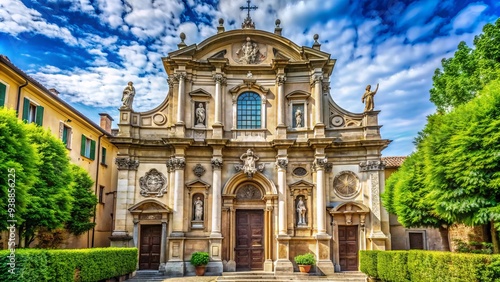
(252, 276)
(147, 276)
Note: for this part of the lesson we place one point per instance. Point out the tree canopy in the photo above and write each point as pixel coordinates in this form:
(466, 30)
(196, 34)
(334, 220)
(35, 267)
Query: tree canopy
(83, 207)
(454, 175)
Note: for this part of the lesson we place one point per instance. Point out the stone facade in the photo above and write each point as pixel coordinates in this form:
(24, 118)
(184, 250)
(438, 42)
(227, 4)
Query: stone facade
(253, 161)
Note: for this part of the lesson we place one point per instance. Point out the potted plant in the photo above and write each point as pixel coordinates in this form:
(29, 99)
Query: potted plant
(305, 262)
(199, 260)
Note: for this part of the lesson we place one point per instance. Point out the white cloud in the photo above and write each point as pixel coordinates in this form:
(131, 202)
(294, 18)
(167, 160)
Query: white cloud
(467, 18)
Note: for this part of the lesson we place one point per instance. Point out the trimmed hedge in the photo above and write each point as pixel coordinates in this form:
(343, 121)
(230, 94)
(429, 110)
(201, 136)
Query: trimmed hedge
(416, 265)
(368, 263)
(68, 265)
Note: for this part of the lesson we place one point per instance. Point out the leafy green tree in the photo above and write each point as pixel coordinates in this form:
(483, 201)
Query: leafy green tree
(83, 207)
(406, 196)
(468, 71)
(18, 167)
(50, 198)
(464, 151)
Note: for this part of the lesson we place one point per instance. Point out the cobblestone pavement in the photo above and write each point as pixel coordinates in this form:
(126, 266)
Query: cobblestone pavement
(192, 279)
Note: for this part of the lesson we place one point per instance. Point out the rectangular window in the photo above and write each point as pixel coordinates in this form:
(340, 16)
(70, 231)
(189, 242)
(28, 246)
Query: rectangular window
(32, 112)
(65, 134)
(101, 194)
(87, 148)
(103, 155)
(3, 94)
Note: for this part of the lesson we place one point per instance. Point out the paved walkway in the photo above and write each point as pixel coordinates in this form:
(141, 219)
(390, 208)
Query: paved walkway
(192, 279)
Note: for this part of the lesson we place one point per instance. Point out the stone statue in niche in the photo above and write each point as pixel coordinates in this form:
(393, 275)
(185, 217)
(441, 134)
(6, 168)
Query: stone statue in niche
(301, 211)
(200, 114)
(298, 118)
(198, 209)
(368, 98)
(128, 96)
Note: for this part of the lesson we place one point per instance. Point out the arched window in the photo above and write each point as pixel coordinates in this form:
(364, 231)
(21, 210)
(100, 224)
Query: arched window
(249, 111)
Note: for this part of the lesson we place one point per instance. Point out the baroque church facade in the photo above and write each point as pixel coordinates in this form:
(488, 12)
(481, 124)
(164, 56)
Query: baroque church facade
(250, 159)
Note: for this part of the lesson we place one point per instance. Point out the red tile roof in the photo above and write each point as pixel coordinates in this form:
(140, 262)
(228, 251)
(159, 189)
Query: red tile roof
(393, 162)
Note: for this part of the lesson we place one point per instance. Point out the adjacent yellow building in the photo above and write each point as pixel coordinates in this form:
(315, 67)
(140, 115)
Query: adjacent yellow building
(87, 143)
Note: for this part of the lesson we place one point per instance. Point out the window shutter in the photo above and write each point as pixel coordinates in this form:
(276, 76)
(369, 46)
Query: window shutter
(65, 135)
(61, 130)
(26, 109)
(39, 115)
(92, 149)
(82, 151)
(3, 89)
(103, 158)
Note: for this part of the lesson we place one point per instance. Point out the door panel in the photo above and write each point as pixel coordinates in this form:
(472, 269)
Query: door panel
(249, 251)
(150, 247)
(348, 248)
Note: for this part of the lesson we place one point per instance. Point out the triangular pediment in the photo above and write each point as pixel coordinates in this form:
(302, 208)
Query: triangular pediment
(301, 183)
(200, 92)
(198, 183)
(149, 205)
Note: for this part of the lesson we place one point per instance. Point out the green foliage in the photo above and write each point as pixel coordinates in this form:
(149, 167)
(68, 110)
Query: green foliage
(473, 247)
(305, 259)
(199, 258)
(18, 167)
(66, 265)
(468, 71)
(368, 263)
(417, 265)
(83, 207)
(393, 266)
(50, 196)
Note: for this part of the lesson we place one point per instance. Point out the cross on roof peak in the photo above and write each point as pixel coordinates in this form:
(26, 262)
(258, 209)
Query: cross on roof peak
(248, 23)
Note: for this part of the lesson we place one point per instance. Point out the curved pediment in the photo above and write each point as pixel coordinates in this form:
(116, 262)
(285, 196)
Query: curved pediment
(151, 206)
(249, 47)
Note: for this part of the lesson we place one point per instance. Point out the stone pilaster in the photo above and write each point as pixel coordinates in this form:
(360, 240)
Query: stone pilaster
(178, 164)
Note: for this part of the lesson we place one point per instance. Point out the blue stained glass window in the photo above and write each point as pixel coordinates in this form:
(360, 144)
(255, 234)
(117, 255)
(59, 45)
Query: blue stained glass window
(249, 111)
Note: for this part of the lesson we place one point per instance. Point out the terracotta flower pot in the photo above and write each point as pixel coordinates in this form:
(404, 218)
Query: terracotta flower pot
(200, 270)
(304, 268)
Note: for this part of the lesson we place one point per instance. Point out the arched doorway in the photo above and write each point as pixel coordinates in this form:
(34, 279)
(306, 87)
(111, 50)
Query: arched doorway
(248, 205)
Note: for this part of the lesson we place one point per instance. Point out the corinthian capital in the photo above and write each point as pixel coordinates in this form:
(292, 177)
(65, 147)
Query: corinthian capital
(280, 79)
(316, 78)
(371, 166)
(320, 164)
(216, 163)
(176, 163)
(179, 76)
(326, 87)
(125, 163)
(282, 163)
(219, 78)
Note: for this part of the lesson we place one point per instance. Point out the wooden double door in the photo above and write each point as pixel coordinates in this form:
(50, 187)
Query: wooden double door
(249, 247)
(348, 248)
(150, 247)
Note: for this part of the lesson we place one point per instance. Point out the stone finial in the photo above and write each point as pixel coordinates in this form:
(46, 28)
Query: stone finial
(182, 44)
(316, 44)
(277, 29)
(220, 28)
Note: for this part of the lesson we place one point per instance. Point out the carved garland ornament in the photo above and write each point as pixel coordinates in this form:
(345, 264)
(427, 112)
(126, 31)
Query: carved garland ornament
(153, 184)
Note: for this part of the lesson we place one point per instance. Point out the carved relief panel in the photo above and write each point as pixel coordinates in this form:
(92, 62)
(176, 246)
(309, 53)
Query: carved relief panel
(153, 183)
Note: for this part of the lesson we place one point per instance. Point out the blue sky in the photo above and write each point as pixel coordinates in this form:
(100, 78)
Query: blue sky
(89, 49)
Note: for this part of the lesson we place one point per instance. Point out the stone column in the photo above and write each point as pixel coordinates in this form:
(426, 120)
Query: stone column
(180, 96)
(163, 245)
(324, 264)
(282, 164)
(318, 96)
(280, 80)
(178, 164)
(372, 169)
(127, 167)
(217, 126)
(216, 197)
(136, 232)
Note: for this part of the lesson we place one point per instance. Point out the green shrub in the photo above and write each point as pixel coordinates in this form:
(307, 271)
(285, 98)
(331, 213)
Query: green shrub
(200, 258)
(305, 259)
(393, 266)
(68, 265)
(368, 263)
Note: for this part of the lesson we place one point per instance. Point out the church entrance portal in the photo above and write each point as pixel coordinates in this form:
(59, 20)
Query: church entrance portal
(149, 257)
(249, 250)
(348, 248)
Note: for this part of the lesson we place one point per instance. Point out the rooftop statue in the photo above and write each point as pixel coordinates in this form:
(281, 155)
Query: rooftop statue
(368, 98)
